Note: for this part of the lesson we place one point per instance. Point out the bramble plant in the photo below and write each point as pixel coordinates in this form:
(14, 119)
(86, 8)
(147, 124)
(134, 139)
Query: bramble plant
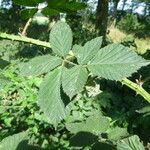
(113, 62)
(67, 70)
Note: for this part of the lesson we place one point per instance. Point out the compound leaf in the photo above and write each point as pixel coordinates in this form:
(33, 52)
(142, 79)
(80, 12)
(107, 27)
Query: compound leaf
(115, 62)
(88, 51)
(40, 65)
(74, 80)
(61, 38)
(131, 143)
(14, 142)
(50, 100)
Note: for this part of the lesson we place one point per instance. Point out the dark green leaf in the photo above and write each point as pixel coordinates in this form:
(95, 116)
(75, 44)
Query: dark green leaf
(28, 13)
(28, 2)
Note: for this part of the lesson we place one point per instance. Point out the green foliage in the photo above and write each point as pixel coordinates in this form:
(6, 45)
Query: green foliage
(54, 7)
(40, 65)
(113, 62)
(61, 39)
(80, 120)
(73, 80)
(131, 143)
(95, 124)
(129, 23)
(50, 99)
(14, 142)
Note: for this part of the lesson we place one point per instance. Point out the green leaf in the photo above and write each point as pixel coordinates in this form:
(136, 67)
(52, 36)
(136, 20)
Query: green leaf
(50, 12)
(131, 143)
(50, 100)
(28, 13)
(74, 80)
(61, 38)
(117, 133)
(88, 51)
(14, 142)
(28, 2)
(65, 5)
(40, 65)
(94, 124)
(115, 62)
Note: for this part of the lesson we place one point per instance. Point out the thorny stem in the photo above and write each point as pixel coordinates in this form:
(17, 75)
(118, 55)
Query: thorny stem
(138, 89)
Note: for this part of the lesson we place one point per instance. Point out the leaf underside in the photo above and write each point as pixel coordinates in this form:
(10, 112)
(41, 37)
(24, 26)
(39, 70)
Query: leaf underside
(115, 62)
(74, 80)
(40, 65)
(85, 53)
(61, 38)
(49, 99)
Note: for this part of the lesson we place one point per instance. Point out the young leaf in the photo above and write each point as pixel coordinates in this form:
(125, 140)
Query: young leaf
(88, 51)
(115, 62)
(14, 142)
(49, 97)
(131, 143)
(61, 38)
(40, 65)
(94, 124)
(73, 80)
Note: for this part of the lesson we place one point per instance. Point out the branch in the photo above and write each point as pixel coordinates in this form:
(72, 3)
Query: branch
(24, 39)
(138, 89)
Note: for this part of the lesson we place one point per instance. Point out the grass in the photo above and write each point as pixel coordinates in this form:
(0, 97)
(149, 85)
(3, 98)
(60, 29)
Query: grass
(117, 36)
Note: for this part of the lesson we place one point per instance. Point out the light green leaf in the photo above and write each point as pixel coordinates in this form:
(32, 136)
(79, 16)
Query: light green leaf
(14, 142)
(131, 143)
(88, 51)
(40, 65)
(95, 124)
(117, 133)
(74, 80)
(115, 62)
(61, 38)
(50, 99)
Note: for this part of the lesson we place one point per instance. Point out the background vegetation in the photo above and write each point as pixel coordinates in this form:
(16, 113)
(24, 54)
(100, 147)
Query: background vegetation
(119, 115)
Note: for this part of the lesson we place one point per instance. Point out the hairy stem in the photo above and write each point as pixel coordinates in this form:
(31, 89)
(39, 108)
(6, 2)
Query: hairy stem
(138, 89)
(24, 39)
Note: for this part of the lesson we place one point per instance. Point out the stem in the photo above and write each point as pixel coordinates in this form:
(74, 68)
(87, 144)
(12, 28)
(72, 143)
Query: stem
(24, 39)
(24, 32)
(127, 82)
(138, 89)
